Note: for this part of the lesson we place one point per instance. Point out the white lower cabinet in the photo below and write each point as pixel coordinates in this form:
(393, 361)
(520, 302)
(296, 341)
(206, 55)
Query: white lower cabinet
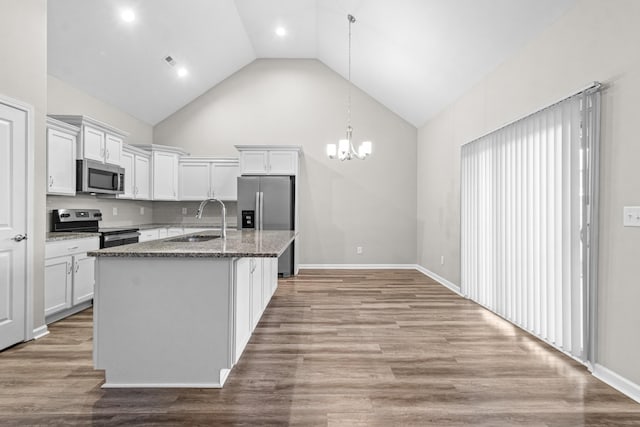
(175, 231)
(257, 303)
(69, 277)
(256, 280)
(57, 284)
(242, 307)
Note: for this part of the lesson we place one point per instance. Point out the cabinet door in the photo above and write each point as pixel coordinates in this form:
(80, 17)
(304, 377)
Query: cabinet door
(253, 162)
(142, 178)
(269, 275)
(165, 176)
(194, 181)
(83, 278)
(93, 143)
(224, 181)
(61, 163)
(283, 162)
(129, 176)
(57, 284)
(242, 307)
(113, 149)
(256, 291)
(162, 233)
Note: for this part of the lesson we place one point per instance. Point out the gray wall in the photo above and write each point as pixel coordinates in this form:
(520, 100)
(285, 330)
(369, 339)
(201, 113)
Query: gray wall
(23, 76)
(66, 99)
(369, 203)
(595, 40)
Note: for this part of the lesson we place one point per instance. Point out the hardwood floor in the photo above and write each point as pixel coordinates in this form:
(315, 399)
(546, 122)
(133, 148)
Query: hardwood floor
(337, 348)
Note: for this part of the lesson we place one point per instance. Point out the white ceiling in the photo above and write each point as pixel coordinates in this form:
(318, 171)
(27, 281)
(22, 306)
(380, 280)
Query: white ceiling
(413, 56)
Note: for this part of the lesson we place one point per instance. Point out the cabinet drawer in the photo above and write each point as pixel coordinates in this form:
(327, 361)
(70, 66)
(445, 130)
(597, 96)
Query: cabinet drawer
(69, 247)
(148, 235)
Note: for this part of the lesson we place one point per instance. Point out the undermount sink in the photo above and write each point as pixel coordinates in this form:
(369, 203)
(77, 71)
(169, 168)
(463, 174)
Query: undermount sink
(193, 239)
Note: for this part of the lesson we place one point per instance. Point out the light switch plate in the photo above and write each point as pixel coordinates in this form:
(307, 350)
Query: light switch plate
(184, 211)
(115, 211)
(631, 216)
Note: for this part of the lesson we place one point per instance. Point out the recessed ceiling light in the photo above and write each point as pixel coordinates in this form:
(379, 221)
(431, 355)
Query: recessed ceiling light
(281, 31)
(182, 72)
(127, 15)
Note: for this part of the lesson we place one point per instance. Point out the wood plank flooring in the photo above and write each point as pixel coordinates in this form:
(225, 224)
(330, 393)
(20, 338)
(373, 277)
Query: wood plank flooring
(334, 348)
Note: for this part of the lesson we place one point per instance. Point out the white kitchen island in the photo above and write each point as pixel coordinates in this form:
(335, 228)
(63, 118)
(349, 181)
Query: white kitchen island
(179, 314)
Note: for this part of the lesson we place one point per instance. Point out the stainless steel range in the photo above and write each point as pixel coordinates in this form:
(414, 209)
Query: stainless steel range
(86, 221)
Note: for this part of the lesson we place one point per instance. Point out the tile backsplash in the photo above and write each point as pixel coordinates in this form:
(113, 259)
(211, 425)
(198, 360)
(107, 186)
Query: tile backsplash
(171, 213)
(135, 212)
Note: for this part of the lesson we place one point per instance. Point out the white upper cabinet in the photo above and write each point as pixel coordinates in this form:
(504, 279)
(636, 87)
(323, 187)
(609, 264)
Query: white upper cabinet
(224, 177)
(194, 180)
(98, 141)
(113, 149)
(93, 143)
(61, 157)
(129, 170)
(142, 183)
(164, 170)
(269, 159)
(136, 173)
(205, 177)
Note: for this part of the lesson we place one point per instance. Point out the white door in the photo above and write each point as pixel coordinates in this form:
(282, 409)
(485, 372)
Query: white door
(165, 176)
(253, 162)
(83, 278)
(13, 224)
(282, 162)
(57, 284)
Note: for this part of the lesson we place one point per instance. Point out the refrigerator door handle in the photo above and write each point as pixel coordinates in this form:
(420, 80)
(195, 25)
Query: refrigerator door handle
(261, 208)
(257, 218)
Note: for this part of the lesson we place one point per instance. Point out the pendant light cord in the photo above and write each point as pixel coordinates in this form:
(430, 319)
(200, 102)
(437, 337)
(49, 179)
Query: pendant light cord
(351, 20)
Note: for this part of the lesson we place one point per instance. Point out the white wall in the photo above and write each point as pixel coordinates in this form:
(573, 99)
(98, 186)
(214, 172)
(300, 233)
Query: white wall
(66, 99)
(595, 40)
(23, 76)
(367, 203)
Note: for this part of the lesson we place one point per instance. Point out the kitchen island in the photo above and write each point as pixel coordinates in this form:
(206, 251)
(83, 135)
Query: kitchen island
(178, 312)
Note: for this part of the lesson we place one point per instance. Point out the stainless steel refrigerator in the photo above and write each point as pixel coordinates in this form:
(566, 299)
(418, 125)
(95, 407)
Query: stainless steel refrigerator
(267, 203)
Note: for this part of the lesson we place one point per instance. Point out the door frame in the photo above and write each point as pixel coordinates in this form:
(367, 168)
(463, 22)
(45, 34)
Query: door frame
(29, 172)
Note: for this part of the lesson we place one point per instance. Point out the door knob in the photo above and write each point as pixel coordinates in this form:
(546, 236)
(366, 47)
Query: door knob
(20, 237)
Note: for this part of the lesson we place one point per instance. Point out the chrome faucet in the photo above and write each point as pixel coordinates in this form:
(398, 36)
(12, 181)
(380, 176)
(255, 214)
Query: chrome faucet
(224, 214)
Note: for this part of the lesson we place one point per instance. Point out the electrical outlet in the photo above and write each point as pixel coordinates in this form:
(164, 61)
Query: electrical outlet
(359, 250)
(141, 210)
(184, 211)
(441, 259)
(115, 211)
(631, 216)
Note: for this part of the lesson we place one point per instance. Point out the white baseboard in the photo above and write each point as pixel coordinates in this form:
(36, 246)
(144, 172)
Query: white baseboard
(358, 266)
(617, 381)
(40, 332)
(444, 282)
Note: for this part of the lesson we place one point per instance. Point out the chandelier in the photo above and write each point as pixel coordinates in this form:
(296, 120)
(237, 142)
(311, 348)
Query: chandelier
(345, 150)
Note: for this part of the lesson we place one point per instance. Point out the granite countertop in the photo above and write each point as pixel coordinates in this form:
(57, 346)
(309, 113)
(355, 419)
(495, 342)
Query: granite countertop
(245, 243)
(61, 235)
(199, 225)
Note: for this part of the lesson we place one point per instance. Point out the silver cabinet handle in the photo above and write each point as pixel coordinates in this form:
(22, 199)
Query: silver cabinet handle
(50, 181)
(73, 248)
(107, 154)
(20, 237)
(77, 266)
(68, 268)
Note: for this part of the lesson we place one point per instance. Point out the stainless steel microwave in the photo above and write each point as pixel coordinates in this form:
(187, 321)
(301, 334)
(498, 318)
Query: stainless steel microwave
(99, 178)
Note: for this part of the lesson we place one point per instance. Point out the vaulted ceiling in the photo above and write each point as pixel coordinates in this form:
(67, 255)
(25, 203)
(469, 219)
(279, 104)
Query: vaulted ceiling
(413, 56)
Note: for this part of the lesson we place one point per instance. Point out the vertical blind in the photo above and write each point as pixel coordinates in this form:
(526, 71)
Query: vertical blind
(527, 198)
